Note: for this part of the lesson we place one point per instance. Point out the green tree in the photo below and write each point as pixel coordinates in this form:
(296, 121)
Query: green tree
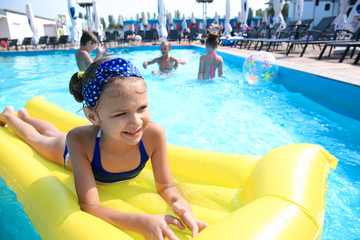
(112, 23)
(148, 15)
(259, 13)
(154, 16)
(80, 15)
(103, 23)
(251, 13)
(137, 16)
(270, 12)
(177, 14)
(285, 10)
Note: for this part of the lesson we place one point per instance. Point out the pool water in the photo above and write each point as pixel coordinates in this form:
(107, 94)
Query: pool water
(224, 115)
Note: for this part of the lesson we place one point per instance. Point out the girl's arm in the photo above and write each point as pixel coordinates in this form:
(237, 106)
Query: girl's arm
(164, 182)
(150, 226)
(201, 68)
(220, 69)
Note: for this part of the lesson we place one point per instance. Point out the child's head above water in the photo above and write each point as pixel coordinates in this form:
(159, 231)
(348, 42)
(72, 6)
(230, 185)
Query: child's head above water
(86, 37)
(88, 86)
(212, 41)
(165, 47)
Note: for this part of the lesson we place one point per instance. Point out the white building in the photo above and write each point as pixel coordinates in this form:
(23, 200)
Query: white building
(323, 8)
(15, 25)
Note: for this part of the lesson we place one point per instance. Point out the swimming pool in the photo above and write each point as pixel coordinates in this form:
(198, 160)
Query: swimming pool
(226, 115)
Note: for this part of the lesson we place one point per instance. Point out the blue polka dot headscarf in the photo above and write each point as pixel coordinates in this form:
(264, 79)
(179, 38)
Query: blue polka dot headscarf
(117, 67)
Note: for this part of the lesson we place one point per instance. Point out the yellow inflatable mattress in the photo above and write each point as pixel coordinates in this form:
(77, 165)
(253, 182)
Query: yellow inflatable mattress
(280, 195)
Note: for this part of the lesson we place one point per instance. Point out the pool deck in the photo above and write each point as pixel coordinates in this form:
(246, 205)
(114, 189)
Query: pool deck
(328, 67)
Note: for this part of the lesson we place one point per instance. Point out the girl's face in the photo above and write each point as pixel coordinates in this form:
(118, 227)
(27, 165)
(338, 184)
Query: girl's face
(123, 113)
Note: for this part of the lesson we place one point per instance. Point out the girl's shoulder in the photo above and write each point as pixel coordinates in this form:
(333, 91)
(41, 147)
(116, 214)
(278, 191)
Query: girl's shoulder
(82, 134)
(154, 130)
(219, 59)
(153, 137)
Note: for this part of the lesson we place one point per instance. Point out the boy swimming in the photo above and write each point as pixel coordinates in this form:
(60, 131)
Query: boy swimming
(166, 63)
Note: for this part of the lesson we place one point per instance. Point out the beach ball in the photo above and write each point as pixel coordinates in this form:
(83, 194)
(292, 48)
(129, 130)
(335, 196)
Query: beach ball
(260, 68)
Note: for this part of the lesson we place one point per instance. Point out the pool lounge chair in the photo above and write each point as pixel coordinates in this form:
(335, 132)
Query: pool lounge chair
(43, 42)
(174, 35)
(63, 41)
(315, 35)
(280, 37)
(151, 36)
(267, 33)
(52, 42)
(126, 34)
(111, 37)
(352, 42)
(12, 43)
(194, 32)
(252, 35)
(26, 43)
(357, 59)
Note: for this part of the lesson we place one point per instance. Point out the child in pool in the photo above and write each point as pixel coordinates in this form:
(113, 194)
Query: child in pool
(120, 139)
(88, 43)
(211, 61)
(166, 63)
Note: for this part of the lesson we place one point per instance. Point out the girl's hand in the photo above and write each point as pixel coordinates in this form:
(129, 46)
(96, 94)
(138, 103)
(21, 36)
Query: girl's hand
(156, 227)
(183, 210)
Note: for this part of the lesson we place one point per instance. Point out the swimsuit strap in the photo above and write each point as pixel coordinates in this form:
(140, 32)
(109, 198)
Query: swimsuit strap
(96, 156)
(144, 156)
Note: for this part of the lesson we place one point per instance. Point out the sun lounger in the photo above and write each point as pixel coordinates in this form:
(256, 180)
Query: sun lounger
(252, 36)
(26, 43)
(43, 42)
(111, 38)
(352, 42)
(151, 36)
(13, 43)
(313, 36)
(357, 59)
(174, 35)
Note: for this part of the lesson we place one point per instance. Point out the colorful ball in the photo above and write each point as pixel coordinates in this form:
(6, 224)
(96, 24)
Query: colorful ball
(260, 68)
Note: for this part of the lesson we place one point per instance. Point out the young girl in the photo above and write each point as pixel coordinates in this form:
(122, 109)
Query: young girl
(211, 61)
(115, 148)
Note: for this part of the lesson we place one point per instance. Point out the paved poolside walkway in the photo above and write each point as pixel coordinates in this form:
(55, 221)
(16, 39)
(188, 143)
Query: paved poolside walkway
(326, 67)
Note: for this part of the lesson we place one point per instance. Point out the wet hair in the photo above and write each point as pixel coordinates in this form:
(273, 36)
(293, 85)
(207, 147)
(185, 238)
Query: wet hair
(87, 36)
(166, 43)
(212, 40)
(77, 83)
